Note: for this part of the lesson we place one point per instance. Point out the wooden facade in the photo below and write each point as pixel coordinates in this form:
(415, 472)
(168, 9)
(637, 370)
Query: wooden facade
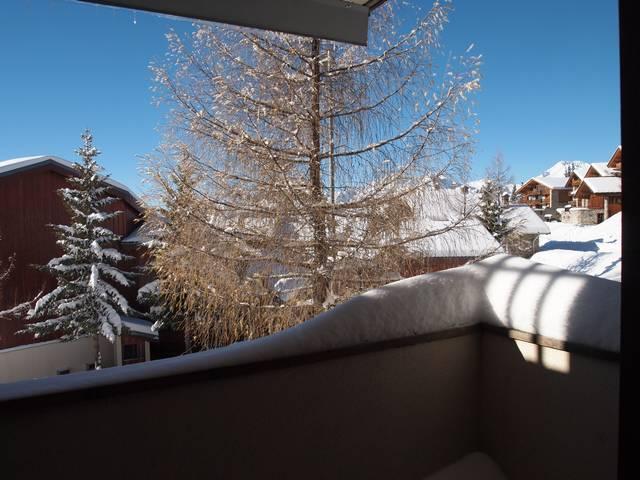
(608, 203)
(585, 198)
(540, 196)
(615, 162)
(574, 182)
(29, 204)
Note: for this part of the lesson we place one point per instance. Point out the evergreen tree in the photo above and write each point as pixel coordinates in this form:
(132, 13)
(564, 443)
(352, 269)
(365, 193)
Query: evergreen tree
(514, 196)
(491, 211)
(170, 226)
(85, 300)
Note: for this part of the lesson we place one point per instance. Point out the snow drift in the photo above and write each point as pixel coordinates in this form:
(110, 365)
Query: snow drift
(594, 250)
(501, 290)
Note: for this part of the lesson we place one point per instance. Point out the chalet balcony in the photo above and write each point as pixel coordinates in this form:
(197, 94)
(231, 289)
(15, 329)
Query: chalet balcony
(510, 359)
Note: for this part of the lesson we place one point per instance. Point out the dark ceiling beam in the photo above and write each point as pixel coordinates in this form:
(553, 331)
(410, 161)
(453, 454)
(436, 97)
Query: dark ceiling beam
(329, 19)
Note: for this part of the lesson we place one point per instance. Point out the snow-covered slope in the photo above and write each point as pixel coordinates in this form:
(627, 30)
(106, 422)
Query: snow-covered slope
(476, 185)
(502, 290)
(558, 169)
(591, 249)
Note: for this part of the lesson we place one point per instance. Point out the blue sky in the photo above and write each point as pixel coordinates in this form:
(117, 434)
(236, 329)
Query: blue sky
(550, 86)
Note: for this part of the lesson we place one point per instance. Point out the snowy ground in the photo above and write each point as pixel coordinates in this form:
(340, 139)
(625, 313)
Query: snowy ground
(591, 249)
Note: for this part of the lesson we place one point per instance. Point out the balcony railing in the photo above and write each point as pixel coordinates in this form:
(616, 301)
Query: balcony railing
(508, 357)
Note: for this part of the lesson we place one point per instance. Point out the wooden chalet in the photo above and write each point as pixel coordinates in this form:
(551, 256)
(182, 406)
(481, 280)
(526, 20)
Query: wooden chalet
(603, 194)
(615, 162)
(545, 194)
(30, 203)
(600, 188)
(575, 179)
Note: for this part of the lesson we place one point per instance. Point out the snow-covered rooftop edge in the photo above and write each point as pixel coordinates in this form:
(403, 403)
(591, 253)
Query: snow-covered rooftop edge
(502, 290)
(139, 326)
(7, 166)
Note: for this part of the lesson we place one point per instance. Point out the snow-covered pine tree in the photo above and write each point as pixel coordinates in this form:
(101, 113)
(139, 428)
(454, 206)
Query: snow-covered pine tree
(514, 196)
(85, 301)
(150, 298)
(491, 211)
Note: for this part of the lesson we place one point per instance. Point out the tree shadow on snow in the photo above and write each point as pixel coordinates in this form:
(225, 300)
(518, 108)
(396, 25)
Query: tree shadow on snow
(588, 246)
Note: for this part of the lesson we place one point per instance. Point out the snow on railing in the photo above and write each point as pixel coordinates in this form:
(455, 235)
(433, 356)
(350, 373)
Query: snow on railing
(502, 290)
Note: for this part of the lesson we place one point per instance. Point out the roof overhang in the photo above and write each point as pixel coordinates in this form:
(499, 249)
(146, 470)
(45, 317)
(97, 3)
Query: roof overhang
(138, 327)
(344, 21)
(616, 154)
(529, 182)
(65, 167)
(591, 185)
(581, 188)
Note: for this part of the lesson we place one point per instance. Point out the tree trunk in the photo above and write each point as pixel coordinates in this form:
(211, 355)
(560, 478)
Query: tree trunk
(318, 217)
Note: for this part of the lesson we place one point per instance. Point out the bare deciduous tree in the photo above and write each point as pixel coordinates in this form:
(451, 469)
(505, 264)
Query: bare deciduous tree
(304, 157)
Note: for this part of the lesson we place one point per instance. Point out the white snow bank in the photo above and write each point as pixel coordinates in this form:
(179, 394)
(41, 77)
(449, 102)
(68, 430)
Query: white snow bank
(501, 290)
(590, 249)
(525, 220)
(551, 302)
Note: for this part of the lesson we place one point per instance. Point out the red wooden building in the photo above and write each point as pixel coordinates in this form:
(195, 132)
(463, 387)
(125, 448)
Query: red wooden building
(600, 189)
(544, 194)
(29, 203)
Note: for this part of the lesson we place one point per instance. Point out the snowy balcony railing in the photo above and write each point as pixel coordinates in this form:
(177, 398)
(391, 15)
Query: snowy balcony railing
(505, 356)
(501, 291)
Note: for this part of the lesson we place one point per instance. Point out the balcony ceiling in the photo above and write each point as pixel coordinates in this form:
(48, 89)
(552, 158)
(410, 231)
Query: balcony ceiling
(345, 21)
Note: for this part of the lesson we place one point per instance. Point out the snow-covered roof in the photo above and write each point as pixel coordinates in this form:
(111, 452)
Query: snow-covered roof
(138, 235)
(444, 224)
(617, 152)
(581, 172)
(15, 165)
(525, 220)
(139, 326)
(604, 184)
(463, 235)
(552, 182)
(468, 239)
(602, 169)
(502, 290)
